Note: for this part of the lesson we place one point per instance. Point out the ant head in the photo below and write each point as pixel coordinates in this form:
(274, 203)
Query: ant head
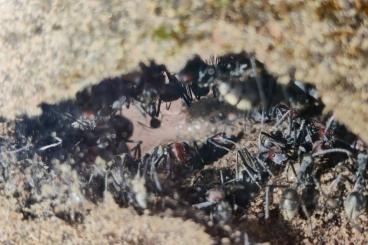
(155, 123)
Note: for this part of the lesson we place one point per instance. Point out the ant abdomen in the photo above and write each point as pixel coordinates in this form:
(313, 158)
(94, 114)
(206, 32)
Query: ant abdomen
(289, 204)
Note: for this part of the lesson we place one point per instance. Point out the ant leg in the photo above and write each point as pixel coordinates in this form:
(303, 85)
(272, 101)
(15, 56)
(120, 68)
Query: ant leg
(248, 168)
(106, 182)
(264, 166)
(328, 124)
(229, 141)
(158, 108)
(215, 91)
(256, 162)
(261, 92)
(221, 177)
(302, 125)
(137, 151)
(362, 162)
(267, 201)
(141, 109)
(293, 169)
(144, 162)
(282, 119)
(354, 205)
(306, 213)
(218, 145)
(169, 167)
(246, 239)
(203, 205)
(153, 173)
(290, 124)
(157, 182)
(237, 175)
(186, 100)
(268, 197)
(189, 92)
(332, 150)
(308, 137)
(263, 117)
(168, 105)
(185, 95)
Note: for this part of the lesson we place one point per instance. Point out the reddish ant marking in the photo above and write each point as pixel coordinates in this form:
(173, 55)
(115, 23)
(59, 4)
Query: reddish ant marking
(181, 151)
(271, 154)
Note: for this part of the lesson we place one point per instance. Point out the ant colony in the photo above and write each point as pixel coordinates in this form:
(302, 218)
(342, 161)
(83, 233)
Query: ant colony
(286, 161)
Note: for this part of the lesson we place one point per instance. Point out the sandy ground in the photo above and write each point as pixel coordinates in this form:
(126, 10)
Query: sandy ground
(107, 224)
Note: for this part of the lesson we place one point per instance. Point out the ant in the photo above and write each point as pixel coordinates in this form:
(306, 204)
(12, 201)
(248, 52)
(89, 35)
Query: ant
(124, 181)
(217, 203)
(158, 85)
(225, 193)
(239, 79)
(177, 159)
(291, 201)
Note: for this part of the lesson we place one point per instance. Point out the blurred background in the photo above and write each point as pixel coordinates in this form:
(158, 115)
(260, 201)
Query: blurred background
(51, 49)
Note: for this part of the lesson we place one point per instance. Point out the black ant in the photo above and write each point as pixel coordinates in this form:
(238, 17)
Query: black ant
(178, 159)
(159, 85)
